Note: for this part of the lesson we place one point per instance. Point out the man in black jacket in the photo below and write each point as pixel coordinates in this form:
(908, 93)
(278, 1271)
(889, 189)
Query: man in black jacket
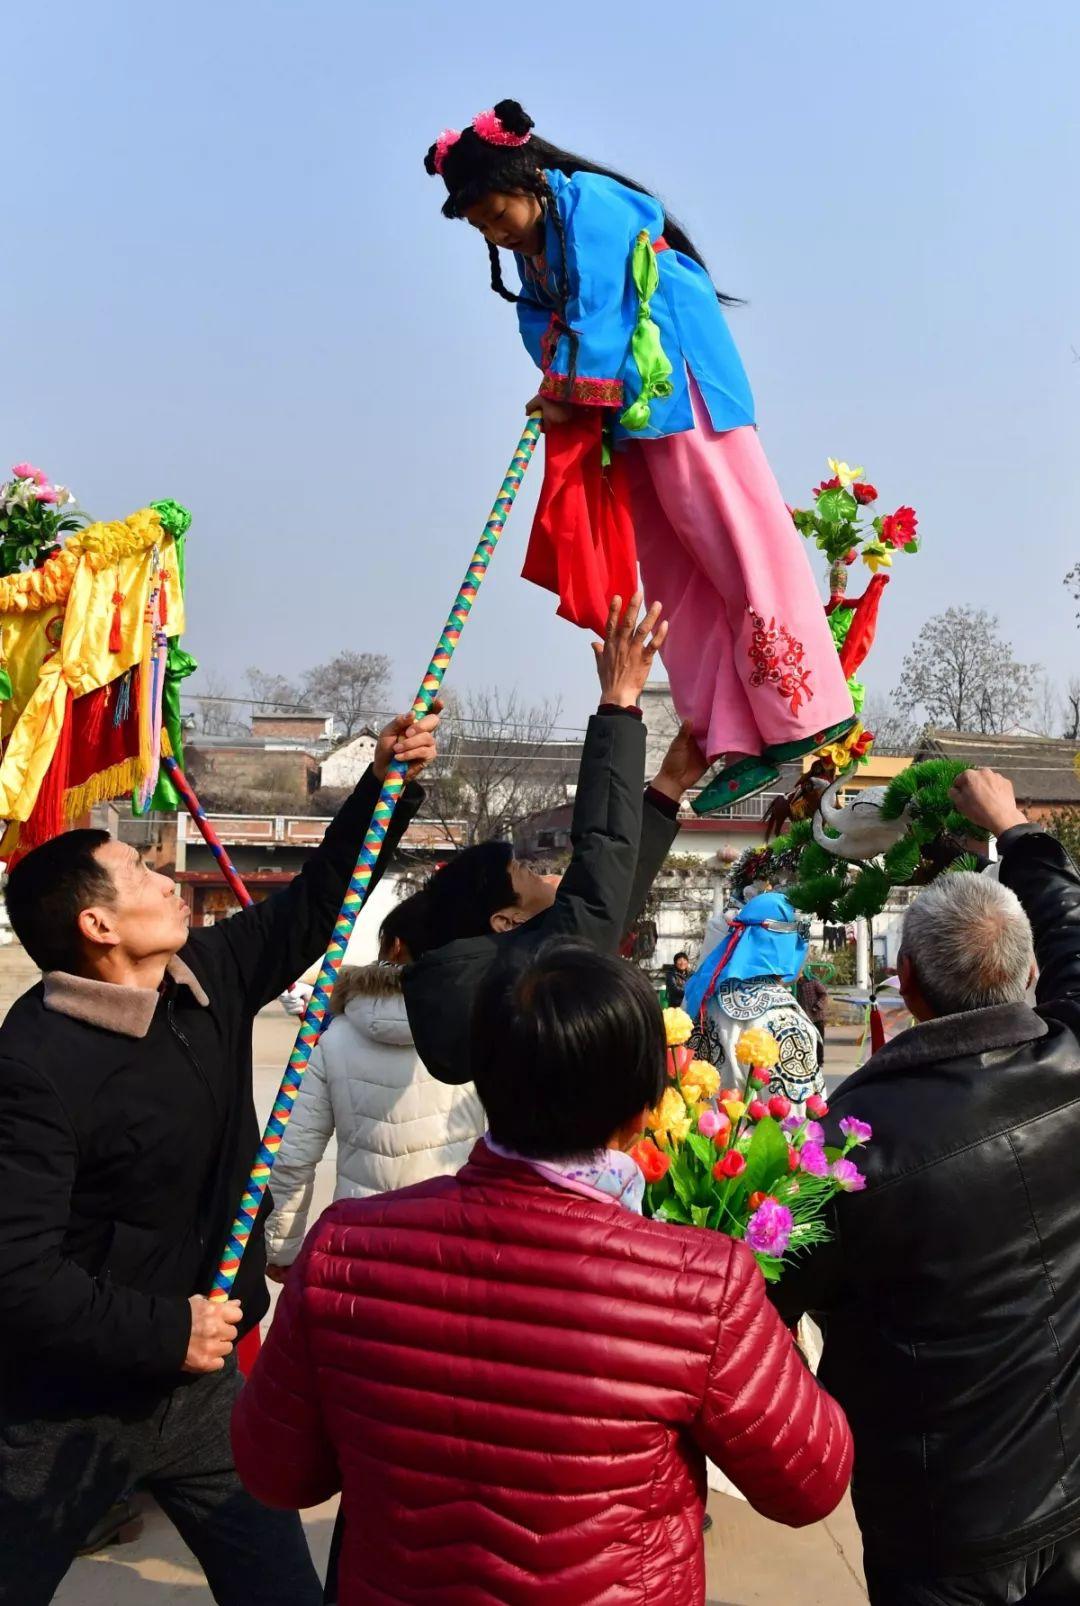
(620, 836)
(127, 1129)
(951, 1290)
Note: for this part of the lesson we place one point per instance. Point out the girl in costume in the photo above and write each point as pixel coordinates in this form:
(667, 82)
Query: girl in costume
(652, 452)
(743, 981)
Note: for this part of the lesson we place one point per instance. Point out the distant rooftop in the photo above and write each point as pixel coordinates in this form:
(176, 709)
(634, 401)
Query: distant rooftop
(1042, 769)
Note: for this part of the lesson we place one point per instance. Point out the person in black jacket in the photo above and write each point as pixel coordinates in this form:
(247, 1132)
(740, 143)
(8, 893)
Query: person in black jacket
(951, 1290)
(621, 834)
(127, 1129)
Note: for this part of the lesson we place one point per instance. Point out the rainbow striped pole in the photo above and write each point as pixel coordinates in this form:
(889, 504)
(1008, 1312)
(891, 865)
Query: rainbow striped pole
(357, 892)
(209, 835)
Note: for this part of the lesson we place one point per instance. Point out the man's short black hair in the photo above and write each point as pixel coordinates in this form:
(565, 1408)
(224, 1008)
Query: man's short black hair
(48, 890)
(467, 891)
(567, 1046)
(681, 955)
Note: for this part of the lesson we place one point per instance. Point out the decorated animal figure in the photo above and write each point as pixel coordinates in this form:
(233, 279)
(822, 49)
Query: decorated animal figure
(859, 829)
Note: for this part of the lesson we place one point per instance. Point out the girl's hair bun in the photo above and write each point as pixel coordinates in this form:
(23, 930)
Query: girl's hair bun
(514, 118)
(429, 162)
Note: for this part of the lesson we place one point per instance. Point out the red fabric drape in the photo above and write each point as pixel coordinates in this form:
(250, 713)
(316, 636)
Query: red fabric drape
(860, 636)
(247, 1351)
(582, 543)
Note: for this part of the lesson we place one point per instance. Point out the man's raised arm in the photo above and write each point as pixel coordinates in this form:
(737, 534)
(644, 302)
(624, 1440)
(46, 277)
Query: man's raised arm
(1036, 867)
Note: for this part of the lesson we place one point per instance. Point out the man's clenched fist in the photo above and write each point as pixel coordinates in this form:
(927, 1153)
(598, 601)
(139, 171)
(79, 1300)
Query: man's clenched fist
(213, 1333)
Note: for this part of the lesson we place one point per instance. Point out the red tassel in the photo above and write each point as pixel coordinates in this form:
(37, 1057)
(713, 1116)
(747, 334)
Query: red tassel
(877, 1029)
(116, 640)
(163, 610)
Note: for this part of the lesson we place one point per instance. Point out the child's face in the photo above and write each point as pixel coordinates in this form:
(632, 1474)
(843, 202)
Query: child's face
(514, 221)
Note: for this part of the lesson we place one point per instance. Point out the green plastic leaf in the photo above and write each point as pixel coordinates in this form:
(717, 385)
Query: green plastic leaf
(702, 1149)
(682, 1180)
(771, 1268)
(699, 1215)
(837, 507)
(766, 1158)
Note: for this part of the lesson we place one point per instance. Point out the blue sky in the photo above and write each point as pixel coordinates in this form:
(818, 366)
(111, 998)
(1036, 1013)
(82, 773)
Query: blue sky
(227, 281)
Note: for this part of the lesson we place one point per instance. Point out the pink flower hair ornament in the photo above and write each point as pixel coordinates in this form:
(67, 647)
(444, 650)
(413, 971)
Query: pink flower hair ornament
(489, 125)
(445, 142)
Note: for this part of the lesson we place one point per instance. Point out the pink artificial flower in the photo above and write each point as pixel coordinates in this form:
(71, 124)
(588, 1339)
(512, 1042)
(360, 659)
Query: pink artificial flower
(756, 1110)
(46, 493)
(849, 1176)
(710, 1122)
(779, 1106)
(768, 1232)
(856, 1131)
(27, 471)
(812, 1160)
(816, 1106)
(815, 1133)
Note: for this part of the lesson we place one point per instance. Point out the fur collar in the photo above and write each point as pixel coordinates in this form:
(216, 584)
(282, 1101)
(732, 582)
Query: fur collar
(111, 1007)
(366, 981)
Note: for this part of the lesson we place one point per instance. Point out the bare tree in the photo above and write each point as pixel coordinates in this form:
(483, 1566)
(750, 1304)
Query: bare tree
(894, 731)
(499, 762)
(273, 694)
(1071, 710)
(348, 686)
(961, 674)
(215, 709)
(1047, 712)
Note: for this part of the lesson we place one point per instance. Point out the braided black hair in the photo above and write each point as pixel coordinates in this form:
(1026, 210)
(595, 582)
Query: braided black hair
(472, 168)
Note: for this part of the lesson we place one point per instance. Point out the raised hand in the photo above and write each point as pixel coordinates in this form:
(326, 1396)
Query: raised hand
(410, 739)
(624, 658)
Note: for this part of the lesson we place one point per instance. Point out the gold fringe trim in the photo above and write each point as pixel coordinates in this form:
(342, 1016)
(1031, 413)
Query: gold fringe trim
(114, 782)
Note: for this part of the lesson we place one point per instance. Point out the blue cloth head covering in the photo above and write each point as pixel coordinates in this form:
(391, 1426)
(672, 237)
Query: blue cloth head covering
(758, 951)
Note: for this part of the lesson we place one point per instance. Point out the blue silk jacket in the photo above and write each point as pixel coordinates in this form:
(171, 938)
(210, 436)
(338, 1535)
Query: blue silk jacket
(602, 219)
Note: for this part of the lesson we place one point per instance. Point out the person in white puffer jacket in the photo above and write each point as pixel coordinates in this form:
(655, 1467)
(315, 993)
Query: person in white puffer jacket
(395, 1123)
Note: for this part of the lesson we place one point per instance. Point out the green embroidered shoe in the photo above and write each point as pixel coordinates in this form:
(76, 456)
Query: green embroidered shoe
(786, 751)
(736, 781)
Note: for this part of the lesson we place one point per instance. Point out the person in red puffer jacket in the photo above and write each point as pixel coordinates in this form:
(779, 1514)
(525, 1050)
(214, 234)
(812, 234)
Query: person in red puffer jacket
(511, 1375)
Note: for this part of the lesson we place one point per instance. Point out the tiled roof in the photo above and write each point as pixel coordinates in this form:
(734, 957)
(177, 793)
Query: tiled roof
(1042, 769)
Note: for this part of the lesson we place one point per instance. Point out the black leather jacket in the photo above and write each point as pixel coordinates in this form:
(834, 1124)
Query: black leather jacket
(951, 1294)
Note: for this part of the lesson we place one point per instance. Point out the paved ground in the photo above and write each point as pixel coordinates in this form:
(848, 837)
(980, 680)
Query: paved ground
(750, 1561)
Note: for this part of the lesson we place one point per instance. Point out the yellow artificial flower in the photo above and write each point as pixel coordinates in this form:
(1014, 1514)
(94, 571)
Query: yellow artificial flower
(734, 1109)
(678, 1027)
(670, 1121)
(845, 474)
(876, 555)
(700, 1080)
(758, 1047)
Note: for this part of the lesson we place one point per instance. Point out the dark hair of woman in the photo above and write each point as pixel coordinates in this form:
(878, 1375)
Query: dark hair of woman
(567, 1046)
(407, 923)
(473, 167)
(461, 898)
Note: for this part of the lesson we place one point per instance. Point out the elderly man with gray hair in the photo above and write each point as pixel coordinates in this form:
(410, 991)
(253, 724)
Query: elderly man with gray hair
(950, 1293)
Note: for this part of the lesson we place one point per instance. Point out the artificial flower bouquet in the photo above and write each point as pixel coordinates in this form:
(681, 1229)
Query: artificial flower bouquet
(833, 523)
(32, 518)
(738, 1161)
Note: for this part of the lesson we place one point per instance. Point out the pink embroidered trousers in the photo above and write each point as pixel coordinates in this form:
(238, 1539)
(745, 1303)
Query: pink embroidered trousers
(749, 654)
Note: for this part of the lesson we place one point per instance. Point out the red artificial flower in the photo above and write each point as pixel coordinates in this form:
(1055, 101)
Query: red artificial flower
(757, 1199)
(863, 492)
(827, 485)
(780, 1107)
(850, 555)
(723, 1131)
(898, 528)
(732, 1164)
(862, 744)
(793, 1159)
(651, 1161)
(817, 1107)
(756, 1110)
(760, 1075)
